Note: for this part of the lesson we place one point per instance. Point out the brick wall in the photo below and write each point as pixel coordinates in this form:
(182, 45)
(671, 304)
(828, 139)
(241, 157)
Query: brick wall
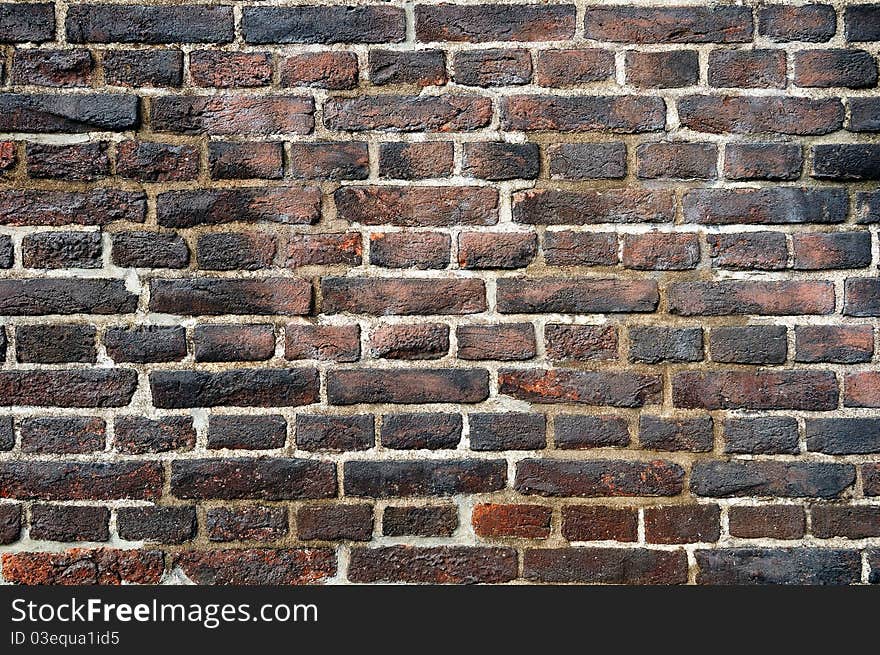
(423, 292)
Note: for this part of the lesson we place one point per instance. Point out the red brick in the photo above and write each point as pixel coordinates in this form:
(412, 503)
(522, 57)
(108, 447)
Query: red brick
(597, 523)
(524, 521)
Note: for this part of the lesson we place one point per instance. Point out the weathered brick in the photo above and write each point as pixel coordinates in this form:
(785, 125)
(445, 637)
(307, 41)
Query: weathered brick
(668, 69)
(324, 249)
(773, 521)
(412, 431)
(794, 566)
(27, 22)
(576, 295)
(216, 296)
(80, 480)
(501, 161)
(525, 521)
(503, 342)
(420, 341)
(334, 433)
(780, 389)
(245, 160)
(851, 522)
(576, 431)
(597, 523)
(860, 23)
(580, 342)
(258, 566)
(598, 478)
(10, 523)
(149, 343)
(760, 114)
(771, 478)
(156, 162)
(410, 161)
(561, 207)
(395, 478)
(420, 521)
(812, 23)
(653, 345)
(404, 296)
(677, 160)
(81, 566)
(7, 253)
(252, 523)
(233, 114)
(754, 344)
(247, 432)
(20, 208)
(846, 161)
(762, 161)
(494, 22)
(52, 250)
(55, 344)
(748, 69)
(95, 23)
(407, 386)
(438, 564)
(606, 565)
(60, 68)
(136, 435)
(496, 250)
(566, 248)
(86, 112)
(149, 250)
(338, 343)
(682, 524)
(871, 479)
(259, 387)
(834, 343)
(84, 162)
(167, 525)
(230, 251)
(688, 434)
(661, 251)
(253, 478)
(735, 297)
(420, 67)
(338, 24)
(234, 343)
(669, 24)
(329, 161)
(493, 67)
(417, 206)
(764, 435)
(766, 206)
(861, 297)
(843, 436)
(615, 389)
(587, 161)
(573, 66)
(861, 389)
(70, 435)
(767, 251)
(401, 113)
(618, 114)
(335, 523)
(507, 431)
(289, 205)
(148, 68)
(864, 115)
(420, 250)
(98, 387)
(230, 69)
(323, 70)
(820, 251)
(852, 68)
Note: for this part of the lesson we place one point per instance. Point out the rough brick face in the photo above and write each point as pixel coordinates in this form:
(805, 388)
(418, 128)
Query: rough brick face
(439, 292)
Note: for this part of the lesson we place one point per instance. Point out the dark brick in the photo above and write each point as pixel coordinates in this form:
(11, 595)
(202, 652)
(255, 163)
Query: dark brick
(324, 70)
(394, 478)
(10, 523)
(847, 161)
(421, 250)
(230, 69)
(861, 297)
(335, 523)
(837, 344)
(329, 161)
(149, 250)
(254, 523)
(407, 386)
(754, 344)
(871, 479)
(748, 69)
(420, 341)
(258, 566)
(233, 114)
(421, 67)
(324, 249)
(862, 389)
(69, 435)
(433, 431)
(247, 432)
(653, 345)
(864, 114)
(780, 389)
(260, 387)
(288, 205)
(150, 68)
(7, 434)
(52, 250)
(80, 480)
(55, 344)
(587, 161)
(682, 524)
(598, 478)
(566, 248)
(618, 114)
(493, 520)
(661, 251)
(99, 387)
(156, 162)
(420, 521)
(575, 295)
(335, 433)
(438, 564)
(792, 566)
(7, 253)
(216, 296)
(759, 114)
(494, 22)
(54, 208)
(149, 343)
(579, 431)
(95, 23)
(571, 67)
(507, 431)
(234, 343)
(615, 389)
(403, 113)
(854, 69)
(767, 206)
(606, 565)
(674, 68)
(81, 566)
(21, 22)
(60, 68)
(501, 161)
(417, 206)
(231, 251)
(409, 161)
(766, 251)
(402, 296)
(253, 478)
(83, 112)
(561, 207)
(688, 434)
(580, 342)
(813, 23)
(861, 23)
(305, 24)
(137, 435)
(843, 436)
(762, 161)
(770, 478)
(596, 523)
(338, 343)
(496, 250)
(741, 297)
(69, 523)
(822, 251)
(245, 160)
(167, 525)
(502, 342)
(773, 521)
(493, 67)
(669, 24)
(853, 522)
(763, 435)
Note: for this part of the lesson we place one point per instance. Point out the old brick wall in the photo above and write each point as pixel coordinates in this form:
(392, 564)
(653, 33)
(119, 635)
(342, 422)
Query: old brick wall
(408, 291)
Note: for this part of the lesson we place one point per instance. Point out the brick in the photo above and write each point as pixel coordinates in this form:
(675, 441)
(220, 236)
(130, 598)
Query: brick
(397, 478)
(147, 68)
(7, 434)
(253, 478)
(403, 113)
(566, 248)
(618, 114)
(7, 252)
(329, 161)
(338, 343)
(410, 161)
(861, 390)
(762, 161)
(138, 24)
(846, 162)
(597, 523)
(562, 207)
(288, 205)
(754, 344)
(420, 521)
(417, 206)
(229, 114)
(504, 342)
(494, 22)
(771, 478)
(104, 387)
(246, 160)
(677, 160)
(675, 68)
(55, 344)
(247, 432)
(861, 297)
(860, 23)
(821, 251)
(407, 386)
(623, 389)
(764, 435)
(59, 480)
(230, 251)
(167, 525)
(150, 343)
(215, 296)
(323, 70)
(576, 431)
(834, 344)
(760, 114)
(20, 22)
(58, 68)
(773, 521)
(20, 208)
(492, 67)
(779, 389)
(766, 251)
(156, 162)
(433, 431)
(606, 565)
(149, 250)
(794, 566)
(422, 341)
(52, 250)
(84, 162)
(477, 250)
(252, 523)
(855, 522)
(10, 523)
(507, 431)
(813, 23)
(681, 524)
(871, 479)
(420, 250)
(598, 478)
(403, 296)
(748, 69)
(669, 24)
(843, 436)
(659, 251)
(86, 112)
(766, 206)
(653, 345)
(420, 67)
(324, 249)
(136, 435)
(686, 434)
(437, 564)
(524, 521)
(576, 295)
(587, 161)
(728, 298)
(335, 523)
(864, 115)
(258, 566)
(568, 67)
(501, 161)
(305, 24)
(82, 566)
(71, 435)
(230, 69)
(580, 342)
(854, 69)
(261, 387)
(334, 433)
(234, 343)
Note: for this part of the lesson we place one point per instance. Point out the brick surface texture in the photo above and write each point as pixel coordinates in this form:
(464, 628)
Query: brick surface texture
(431, 292)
